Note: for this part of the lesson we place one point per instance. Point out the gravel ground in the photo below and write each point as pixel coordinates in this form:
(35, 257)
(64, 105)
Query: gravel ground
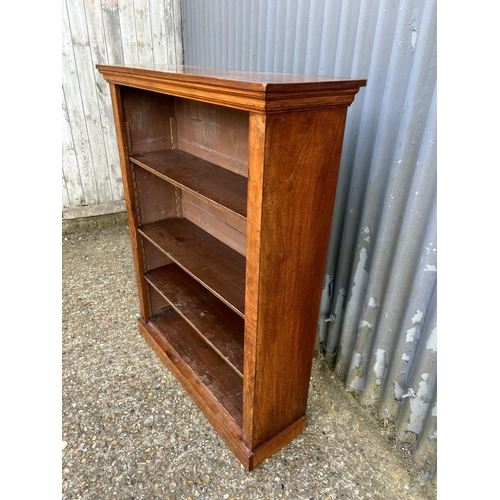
(131, 432)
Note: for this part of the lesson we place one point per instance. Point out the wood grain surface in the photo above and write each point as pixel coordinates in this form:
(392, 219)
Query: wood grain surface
(213, 320)
(216, 266)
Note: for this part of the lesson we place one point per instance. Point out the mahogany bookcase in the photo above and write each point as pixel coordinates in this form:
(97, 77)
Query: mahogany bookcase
(230, 180)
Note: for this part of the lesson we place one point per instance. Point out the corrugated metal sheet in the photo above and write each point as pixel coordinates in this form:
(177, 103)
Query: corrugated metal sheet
(104, 32)
(380, 277)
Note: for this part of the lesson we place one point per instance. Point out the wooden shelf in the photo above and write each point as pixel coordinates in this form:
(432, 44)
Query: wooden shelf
(180, 342)
(219, 326)
(201, 178)
(216, 266)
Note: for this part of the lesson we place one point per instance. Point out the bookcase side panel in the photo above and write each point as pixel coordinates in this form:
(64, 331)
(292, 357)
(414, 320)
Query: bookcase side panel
(128, 187)
(302, 156)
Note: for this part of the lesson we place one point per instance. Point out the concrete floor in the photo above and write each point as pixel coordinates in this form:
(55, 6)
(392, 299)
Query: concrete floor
(131, 432)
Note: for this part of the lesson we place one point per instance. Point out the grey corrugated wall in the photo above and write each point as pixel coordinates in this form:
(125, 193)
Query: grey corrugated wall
(380, 277)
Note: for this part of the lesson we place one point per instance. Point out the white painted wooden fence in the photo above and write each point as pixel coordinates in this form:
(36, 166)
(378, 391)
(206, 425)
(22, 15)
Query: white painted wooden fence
(104, 32)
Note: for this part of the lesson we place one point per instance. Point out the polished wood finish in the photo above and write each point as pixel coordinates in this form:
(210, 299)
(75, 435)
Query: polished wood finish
(209, 369)
(230, 181)
(215, 133)
(228, 227)
(199, 178)
(285, 248)
(251, 91)
(213, 264)
(213, 320)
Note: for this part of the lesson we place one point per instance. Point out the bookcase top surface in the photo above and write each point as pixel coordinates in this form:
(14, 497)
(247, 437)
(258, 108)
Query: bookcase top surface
(251, 90)
(237, 78)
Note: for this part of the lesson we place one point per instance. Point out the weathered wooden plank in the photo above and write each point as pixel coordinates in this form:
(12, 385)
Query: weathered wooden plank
(174, 34)
(76, 116)
(85, 67)
(128, 33)
(105, 32)
(98, 49)
(72, 188)
(143, 31)
(95, 30)
(112, 31)
(109, 207)
(64, 192)
(158, 20)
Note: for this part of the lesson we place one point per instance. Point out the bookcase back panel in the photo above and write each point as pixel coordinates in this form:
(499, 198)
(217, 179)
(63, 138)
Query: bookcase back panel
(157, 303)
(214, 133)
(154, 200)
(225, 226)
(152, 257)
(147, 119)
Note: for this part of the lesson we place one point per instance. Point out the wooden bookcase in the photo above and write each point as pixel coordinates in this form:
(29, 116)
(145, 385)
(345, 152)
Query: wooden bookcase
(230, 181)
